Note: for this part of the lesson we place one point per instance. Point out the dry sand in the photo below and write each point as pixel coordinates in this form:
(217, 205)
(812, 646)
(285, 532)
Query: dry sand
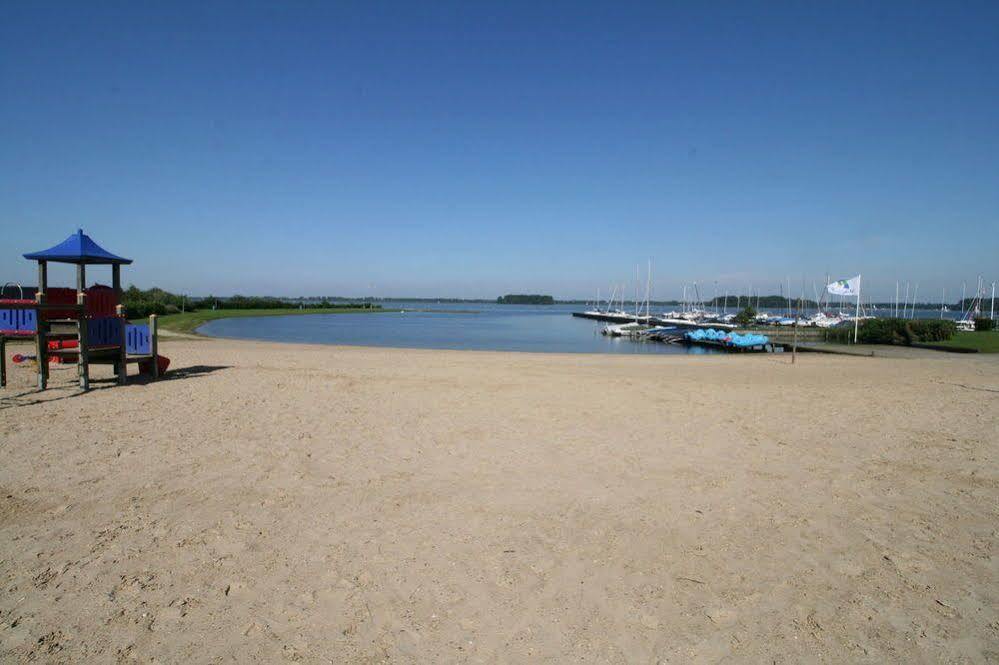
(322, 504)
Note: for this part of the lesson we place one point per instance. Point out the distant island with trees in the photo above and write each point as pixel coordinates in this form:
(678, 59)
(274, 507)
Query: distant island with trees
(523, 299)
(772, 302)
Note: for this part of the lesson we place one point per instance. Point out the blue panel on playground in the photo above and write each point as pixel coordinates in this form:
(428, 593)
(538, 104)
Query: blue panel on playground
(137, 340)
(18, 320)
(104, 331)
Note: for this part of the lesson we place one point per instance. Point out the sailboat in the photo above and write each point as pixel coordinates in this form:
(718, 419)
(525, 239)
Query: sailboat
(967, 322)
(623, 329)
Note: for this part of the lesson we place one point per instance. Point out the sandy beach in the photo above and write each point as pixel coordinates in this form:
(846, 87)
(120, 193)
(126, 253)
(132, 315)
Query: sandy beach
(329, 504)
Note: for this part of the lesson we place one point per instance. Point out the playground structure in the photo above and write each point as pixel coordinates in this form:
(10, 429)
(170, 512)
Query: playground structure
(86, 326)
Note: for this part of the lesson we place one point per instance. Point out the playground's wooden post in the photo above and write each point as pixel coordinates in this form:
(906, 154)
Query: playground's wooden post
(41, 346)
(83, 357)
(121, 366)
(153, 346)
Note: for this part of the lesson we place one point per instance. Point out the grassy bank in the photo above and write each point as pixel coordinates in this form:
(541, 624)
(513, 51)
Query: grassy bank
(984, 342)
(188, 322)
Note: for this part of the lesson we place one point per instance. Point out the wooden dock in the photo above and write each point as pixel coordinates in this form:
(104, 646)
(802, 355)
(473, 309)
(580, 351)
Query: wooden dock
(653, 321)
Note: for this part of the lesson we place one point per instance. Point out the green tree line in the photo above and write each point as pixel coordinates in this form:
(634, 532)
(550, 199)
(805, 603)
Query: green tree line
(141, 303)
(770, 302)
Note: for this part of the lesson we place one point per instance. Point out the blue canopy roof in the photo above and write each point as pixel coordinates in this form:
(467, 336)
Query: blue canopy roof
(78, 248)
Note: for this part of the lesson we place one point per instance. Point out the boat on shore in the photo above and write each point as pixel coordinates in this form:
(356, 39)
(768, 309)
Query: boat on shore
(632, 329)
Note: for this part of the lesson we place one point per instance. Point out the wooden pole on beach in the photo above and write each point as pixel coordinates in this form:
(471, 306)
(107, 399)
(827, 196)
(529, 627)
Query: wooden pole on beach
(41, 345)
(121, 365)
(154, 346)
(856, 318)
(83, 357)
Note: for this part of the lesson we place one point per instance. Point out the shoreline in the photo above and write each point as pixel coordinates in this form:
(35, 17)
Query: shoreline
(857, 351)
(375, 347)
(187, 323)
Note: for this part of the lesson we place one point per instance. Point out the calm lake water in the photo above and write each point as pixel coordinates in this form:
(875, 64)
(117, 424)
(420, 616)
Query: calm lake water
(463, 326)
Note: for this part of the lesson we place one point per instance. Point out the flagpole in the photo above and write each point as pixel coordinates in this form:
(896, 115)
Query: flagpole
(856, 318)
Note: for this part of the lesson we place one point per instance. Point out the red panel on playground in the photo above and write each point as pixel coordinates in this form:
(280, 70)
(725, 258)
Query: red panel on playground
(100, 301)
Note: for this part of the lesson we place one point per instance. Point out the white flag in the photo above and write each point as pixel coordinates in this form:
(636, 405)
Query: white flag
(845, 287)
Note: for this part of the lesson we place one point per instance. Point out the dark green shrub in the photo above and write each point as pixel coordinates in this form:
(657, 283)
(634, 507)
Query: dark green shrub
(142, 308)
(894, 331)
(984, 324)
(140, 304)
(932, 330)
(873, 331)
(746, 317)
(839, 334)
(885, 331)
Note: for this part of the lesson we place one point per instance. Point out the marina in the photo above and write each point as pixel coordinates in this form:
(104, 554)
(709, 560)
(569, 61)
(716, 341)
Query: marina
(797, 322)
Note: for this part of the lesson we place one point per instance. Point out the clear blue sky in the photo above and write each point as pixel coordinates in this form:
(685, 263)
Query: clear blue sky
(471, 149)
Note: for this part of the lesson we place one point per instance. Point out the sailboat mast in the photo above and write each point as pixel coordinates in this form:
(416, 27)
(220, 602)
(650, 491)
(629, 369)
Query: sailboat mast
(787, 297)
(981, 294)
(637, 282)
(648, 292)
(992, 306)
